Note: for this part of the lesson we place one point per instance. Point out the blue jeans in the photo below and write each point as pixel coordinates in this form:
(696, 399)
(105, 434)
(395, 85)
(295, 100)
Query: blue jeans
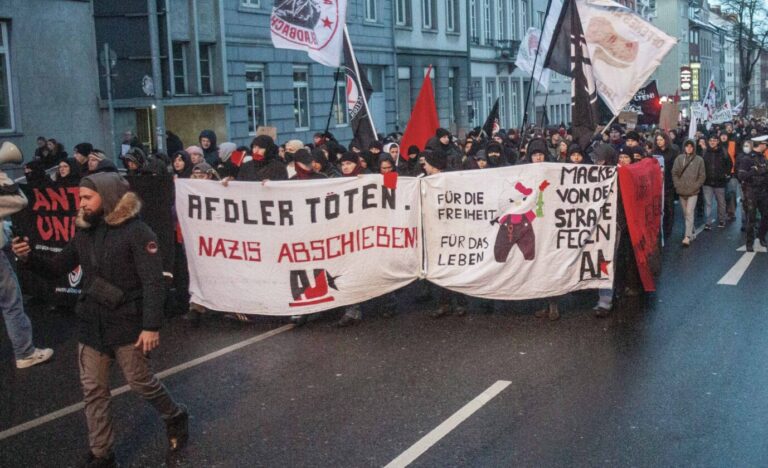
(711, 193)
(16, 321)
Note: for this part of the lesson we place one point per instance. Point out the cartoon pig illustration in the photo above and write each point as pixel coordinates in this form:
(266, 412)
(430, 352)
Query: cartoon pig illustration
(516, 205)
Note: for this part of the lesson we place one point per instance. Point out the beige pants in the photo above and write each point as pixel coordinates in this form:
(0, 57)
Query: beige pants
(94, 377)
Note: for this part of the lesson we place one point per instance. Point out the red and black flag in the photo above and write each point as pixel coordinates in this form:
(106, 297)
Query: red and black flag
(359, 90)
(491, 125)
(568, 55)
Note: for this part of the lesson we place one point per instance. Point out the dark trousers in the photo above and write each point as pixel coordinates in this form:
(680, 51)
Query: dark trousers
(752, 203)
(669, 213)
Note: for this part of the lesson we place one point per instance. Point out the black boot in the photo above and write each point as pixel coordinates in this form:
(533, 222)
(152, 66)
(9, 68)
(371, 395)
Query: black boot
(177, 430)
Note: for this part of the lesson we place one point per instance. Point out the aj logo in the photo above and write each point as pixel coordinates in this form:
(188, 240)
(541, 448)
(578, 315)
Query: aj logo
(75, 276)
(306, 293)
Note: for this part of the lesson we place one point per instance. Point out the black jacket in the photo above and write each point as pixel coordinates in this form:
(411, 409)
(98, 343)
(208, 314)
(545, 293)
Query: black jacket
(753, 173)
(126, 254)
(262, 170)
(717, 165)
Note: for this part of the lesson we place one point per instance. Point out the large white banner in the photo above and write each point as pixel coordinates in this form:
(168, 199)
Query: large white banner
(624, 49)
(527, 56)
(521, 232)
(295, 247)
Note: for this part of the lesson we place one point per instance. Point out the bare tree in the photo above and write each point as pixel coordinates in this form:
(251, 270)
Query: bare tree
(748, 18)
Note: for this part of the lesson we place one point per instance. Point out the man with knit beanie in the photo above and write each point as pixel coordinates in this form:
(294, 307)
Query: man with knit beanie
(120, 310)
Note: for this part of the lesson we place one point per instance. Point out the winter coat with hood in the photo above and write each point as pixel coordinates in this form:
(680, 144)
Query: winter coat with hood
(211, 154)
(269, 167)
(185, 173)
(452, 152)
(717, 165)
(688, 183)
(122, 250)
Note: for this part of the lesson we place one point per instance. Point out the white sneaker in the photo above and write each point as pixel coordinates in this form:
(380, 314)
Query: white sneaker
(38, 357)
(686, 241)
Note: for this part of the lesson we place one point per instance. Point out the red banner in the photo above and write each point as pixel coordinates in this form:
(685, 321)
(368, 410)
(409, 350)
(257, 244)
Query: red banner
(641, 192)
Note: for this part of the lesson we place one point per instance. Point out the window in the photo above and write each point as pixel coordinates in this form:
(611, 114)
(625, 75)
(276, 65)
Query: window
(370, 10)
(250, 3)
(206, 81)
(501, 20)
(180, 68)
(403, 96)
(340, 108)
(512, 24)
(403, 12)
(524, 16)
(452, 95)
(490, 87)
(477, 99)
(6, 97)
(487, 25)
(540, 15)
(451, 25)
(503, 88)
(428, 14)
(473, 27)
(515, 109)
(301, 98)
(254, 86)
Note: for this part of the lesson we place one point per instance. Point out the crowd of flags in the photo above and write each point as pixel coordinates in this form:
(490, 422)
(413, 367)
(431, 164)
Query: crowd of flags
(607, 50)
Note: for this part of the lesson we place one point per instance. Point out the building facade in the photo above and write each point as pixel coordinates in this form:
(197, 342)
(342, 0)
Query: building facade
(48, 73)
(431, 33)
(287, 90)
(188, 92)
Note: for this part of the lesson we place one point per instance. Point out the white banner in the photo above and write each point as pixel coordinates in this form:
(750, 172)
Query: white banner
(624, 49)
(312, 26)
(295, 247)
(526, 56)
(521, 232)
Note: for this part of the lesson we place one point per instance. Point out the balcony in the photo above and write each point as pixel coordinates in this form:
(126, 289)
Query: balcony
(506, 48)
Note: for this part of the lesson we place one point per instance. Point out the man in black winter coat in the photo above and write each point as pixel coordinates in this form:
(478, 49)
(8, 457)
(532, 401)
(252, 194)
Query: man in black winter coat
(265, 164)
(717, 166)
(120, 310)
(753, 174)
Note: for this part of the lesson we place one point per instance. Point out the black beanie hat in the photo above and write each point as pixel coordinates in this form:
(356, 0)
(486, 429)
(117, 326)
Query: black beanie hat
(435, 159)
(632, 135)
(493, 148)
(537, 145)
(303, 156)
(441, 132)
(413, 149)
(263, 141)
(350, 157)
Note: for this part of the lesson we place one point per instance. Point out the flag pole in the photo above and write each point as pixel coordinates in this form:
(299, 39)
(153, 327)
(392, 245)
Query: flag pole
(359, 83)
(333, 99)
(533, 74)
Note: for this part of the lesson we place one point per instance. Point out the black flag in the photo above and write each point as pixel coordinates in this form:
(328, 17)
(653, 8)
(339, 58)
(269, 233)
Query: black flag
(569, 56)
(359, 90)
(491, 125)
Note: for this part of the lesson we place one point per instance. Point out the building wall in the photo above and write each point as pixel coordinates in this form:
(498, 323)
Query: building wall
(249, 45)
(53, 73)
(671, 18)
(419, 46)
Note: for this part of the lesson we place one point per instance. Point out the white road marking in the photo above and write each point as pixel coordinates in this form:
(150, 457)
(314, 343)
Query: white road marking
(417, 449)
(125, 388)
(734, 275)
(756, 246)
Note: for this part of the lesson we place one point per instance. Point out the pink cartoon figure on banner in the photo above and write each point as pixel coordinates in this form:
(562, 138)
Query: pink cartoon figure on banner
(519, 204)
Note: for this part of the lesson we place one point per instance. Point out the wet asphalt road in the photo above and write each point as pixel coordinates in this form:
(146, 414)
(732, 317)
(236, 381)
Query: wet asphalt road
(677, 378)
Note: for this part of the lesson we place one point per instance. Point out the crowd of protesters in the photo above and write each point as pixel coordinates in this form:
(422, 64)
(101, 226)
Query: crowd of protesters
(724, 163)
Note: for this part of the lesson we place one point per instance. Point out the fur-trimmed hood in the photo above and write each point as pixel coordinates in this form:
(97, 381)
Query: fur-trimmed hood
(127, 208)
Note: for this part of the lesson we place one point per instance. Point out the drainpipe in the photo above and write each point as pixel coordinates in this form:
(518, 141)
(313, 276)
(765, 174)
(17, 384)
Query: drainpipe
(157, 78)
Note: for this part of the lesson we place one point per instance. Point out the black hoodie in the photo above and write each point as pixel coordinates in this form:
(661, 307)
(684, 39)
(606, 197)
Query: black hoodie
(211, 154)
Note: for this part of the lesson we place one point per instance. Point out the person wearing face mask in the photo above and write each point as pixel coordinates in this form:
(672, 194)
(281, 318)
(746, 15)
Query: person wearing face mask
(265, 164)
(753, 173)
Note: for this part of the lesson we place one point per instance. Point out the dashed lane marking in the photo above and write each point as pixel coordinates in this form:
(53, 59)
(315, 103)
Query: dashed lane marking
(736, 272)
(119, 391)
(418, 449)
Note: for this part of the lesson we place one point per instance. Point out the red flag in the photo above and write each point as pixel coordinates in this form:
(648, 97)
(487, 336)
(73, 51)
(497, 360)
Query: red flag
(641, 190)
(424, 122)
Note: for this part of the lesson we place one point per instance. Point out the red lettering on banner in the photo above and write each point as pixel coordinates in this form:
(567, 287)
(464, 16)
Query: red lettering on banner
(56, 227)
(368, 237)
(249, 251)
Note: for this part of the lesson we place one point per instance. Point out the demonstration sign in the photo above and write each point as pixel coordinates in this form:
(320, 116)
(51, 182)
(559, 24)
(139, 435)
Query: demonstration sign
(287, 248)
(49, 222)
(521, 232)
